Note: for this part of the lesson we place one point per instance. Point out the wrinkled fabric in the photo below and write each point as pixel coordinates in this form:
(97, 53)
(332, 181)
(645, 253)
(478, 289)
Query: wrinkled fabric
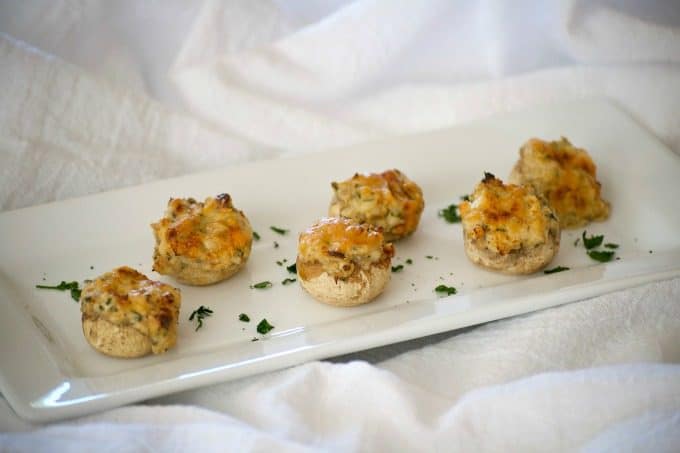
(100, 95)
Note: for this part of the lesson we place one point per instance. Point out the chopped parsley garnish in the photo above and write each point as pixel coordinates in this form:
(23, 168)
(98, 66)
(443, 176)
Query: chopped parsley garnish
(555, 269)
(429, 257)
(397, 268)
(292, 268)
(276, 245)
(264, 327)
(244, 317)
(443, 289)
(281, 231)
(576, 242)
(465, 197)
(450, 213)
(200, 313)
(63, 286)
(261, 285)
(592, 241)
(256, 236)
(602, 256)
(280, 263)
(409, 261)
(288, 281)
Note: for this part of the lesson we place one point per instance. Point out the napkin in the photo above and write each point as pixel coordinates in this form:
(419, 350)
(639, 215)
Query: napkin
(99, 95)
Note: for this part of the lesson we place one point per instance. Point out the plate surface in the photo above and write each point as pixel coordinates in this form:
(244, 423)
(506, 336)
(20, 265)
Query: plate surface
(48, 371)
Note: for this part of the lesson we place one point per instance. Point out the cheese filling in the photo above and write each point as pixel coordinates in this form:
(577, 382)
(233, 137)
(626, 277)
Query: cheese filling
(388, 200)
(566, 177)
(342, 246)
(212, 234)
(505, 218)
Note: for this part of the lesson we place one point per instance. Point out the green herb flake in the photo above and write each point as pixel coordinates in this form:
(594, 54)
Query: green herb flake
(592, 241)
(262, 285)
(280, 263)
(611, 245)
(409, 261)
(264, 327)
(443, 289)
(429, 257)
(292, 268)
(450, 214)
(256, 236)
(281, 231)
(244, 317)
(465, 197)
(64, 286)
(576, 242)
(555, 269)
(397, 268)
(276, 245)
(602, 256)
(288, 281)
(200, 314)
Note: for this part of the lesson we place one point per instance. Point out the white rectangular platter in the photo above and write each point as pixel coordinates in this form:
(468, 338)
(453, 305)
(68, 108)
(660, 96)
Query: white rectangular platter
(49, 372)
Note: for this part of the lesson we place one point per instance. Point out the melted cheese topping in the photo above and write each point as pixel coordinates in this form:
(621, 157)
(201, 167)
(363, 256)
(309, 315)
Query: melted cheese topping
(213, 232)
(505, 218)
(389, 200)
(565, 176)
(341, 245)
(128, 298)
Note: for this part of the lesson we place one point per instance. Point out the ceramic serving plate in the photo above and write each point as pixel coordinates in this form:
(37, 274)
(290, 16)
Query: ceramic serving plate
(48, 371)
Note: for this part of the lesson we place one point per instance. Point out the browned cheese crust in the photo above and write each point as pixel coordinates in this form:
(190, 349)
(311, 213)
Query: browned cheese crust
(508, 228)
(201, 243)
(124, 314)
(341, 262)
(566, 177)
(388, 200)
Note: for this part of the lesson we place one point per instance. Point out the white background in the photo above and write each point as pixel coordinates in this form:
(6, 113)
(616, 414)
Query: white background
(98, 95)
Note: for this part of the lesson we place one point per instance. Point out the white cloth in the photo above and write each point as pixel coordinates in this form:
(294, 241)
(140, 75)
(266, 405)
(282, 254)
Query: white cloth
(97, 95)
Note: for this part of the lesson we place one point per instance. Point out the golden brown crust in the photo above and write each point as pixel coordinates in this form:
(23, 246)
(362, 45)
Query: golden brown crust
(341, 262)
(566, 177)
(388, 200)
(124, 314)
(508, 228)
(201, 243)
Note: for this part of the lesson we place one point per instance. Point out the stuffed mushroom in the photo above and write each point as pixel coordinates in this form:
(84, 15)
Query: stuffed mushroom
(342, 262)
(201, 243)
(124, 314)
(566, 177)
(508, 228)
(388, 200)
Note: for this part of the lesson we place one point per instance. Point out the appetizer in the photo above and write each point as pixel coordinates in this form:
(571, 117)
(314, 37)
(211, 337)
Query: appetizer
(342, 262)
(201, 243)
(388, 200)
(509, 228)
(124, 314)
(565, 176)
